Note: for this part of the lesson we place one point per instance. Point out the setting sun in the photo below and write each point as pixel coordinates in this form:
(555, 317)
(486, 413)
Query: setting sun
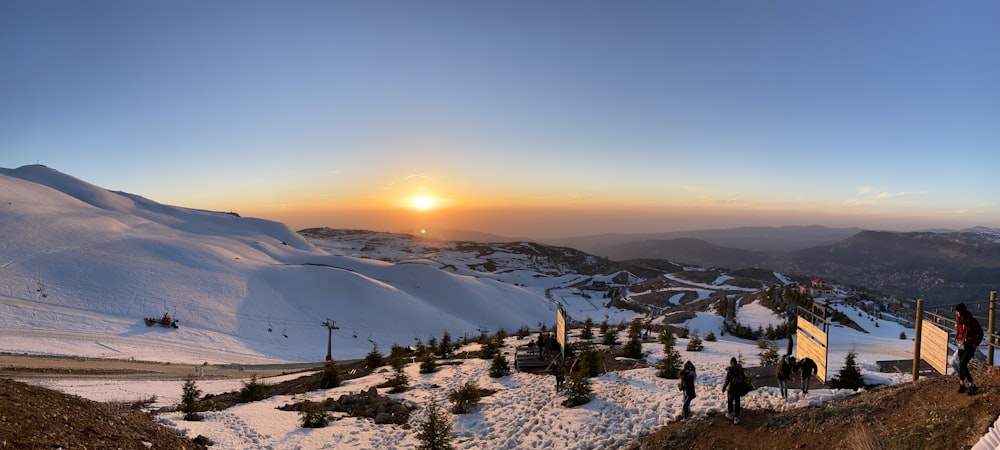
(423, 202)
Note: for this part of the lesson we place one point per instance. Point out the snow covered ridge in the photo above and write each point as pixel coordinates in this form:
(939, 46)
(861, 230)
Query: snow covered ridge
(83, 266)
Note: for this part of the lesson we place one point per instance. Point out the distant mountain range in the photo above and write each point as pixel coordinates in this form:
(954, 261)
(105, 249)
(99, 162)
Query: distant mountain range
(941, 266)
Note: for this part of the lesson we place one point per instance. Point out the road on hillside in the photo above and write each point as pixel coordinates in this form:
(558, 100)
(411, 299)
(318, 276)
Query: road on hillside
(20, 366)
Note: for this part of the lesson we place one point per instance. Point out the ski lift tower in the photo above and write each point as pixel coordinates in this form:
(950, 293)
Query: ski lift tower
(330, 326)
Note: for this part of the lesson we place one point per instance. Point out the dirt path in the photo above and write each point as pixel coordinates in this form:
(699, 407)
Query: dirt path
(40, 366)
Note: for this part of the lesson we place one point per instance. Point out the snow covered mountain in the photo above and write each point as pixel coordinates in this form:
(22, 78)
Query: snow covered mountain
(82, 266)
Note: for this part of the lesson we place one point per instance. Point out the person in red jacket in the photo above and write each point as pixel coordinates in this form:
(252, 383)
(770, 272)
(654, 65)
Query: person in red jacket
(968, 335)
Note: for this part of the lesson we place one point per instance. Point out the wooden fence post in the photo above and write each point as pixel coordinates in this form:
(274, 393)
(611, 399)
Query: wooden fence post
(989, 327)
(916, 339)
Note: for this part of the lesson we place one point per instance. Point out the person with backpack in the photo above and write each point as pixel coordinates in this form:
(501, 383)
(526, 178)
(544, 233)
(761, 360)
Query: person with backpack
(968, 335)
(809, 368)
(687, 376)
(734, 387)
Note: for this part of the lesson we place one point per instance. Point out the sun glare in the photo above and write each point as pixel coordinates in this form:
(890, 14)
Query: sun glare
(423, 203)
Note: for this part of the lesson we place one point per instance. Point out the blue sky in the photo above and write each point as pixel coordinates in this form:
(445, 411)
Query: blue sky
(541, 118)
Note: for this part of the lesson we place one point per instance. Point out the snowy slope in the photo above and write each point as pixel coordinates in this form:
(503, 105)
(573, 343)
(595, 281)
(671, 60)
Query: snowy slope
(77, 259)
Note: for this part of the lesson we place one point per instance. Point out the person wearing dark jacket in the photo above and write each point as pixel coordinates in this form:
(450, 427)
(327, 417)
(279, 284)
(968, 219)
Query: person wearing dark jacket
(783, 372)
(688, 375)
(808, 368)
(968, 335)
(733, 387)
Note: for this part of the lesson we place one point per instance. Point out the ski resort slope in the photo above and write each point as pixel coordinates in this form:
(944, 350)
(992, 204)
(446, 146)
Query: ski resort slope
(81, 266)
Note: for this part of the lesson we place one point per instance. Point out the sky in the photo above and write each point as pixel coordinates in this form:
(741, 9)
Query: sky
(519, 118)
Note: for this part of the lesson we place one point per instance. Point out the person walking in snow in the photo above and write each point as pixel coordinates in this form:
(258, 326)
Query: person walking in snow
(808, 368)
(688, 375)
(968, 335)
(734, 387)
(783, 372)
(560, 372)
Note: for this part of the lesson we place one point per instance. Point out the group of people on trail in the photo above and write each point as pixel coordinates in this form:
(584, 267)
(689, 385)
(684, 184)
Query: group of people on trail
(736, 383)
(788, 365)
(968, 335)
(735, 386)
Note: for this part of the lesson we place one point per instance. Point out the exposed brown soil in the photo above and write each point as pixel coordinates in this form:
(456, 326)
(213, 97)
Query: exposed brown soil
(927, 414)
(37, 418)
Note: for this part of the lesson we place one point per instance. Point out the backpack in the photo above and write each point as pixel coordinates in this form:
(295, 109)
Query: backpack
(975, 333)
(737, 380)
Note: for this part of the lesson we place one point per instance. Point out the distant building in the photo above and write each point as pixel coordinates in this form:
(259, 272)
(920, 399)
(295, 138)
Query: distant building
(817, 288)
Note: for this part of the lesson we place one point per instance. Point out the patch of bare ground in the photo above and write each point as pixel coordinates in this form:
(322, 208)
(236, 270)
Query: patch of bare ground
(37, 418)
(927, 414)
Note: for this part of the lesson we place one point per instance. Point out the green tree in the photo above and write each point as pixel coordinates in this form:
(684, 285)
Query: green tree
(488, 347)
(633, 348)
(608, 334)
(331, 375)
(435, 432)
(850, 375)
(399, 380)
(446, 347)
(694, 344)
(313, 414)
(374, 358)
(464, 399)
(670, 365)
(587, 333)
(577, 390)
(428, 363)
(710, 337)
(189, 399)
(769, 356)
(499, 367)
(591, 359)
(252, 390)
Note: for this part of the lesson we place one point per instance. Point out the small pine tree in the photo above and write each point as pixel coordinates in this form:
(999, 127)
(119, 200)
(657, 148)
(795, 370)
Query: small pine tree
(374, 358)
(435, 431)
(591, 361)
(587, 333)
(769, 356)
(313, 414)
(252, 390)
(331, 376)
(432, 345)
(577, 390)
(499, 367)
(666, 338)
(670, 365)
(396, 351)
(608, 334)
(465, 398)
(428, 363)
(710, 337)
(399, 380)
(633, 348)
(523, 332)
(850, 375)
(446, 347)
(189, 400)
(488, 348)
(684, 332)
(902, 335)
(694, 344)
